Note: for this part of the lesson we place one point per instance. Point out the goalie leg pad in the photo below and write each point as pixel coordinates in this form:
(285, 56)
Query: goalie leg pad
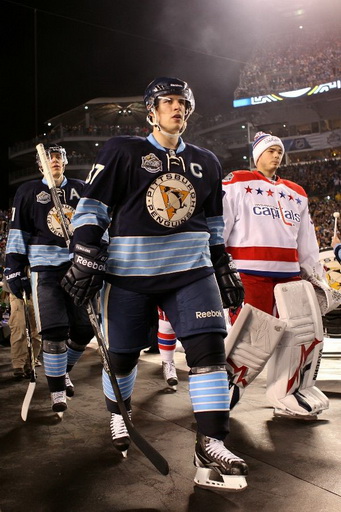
(293, 368)
(248, 346)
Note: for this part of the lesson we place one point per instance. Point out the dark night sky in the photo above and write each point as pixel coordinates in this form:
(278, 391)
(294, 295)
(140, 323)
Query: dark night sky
(85, 49)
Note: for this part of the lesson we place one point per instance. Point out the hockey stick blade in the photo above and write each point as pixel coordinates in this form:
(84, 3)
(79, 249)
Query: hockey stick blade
(148, 450)
(158, 461)
(27, 400)
(33, 375)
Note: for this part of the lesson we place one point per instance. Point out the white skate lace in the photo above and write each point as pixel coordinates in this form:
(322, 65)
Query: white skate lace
(117, 426)
(58, 396)
(216, 448)
(68, 382)
(169, 370)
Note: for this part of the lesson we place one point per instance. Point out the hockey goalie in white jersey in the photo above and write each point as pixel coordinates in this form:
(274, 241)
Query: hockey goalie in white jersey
(270, 235)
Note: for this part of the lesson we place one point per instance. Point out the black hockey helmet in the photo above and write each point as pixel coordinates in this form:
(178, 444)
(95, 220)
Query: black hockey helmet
(53, 148)
(165, 85)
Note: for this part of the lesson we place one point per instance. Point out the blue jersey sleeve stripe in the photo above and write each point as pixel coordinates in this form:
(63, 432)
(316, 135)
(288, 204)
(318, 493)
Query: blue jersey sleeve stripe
(216, 228)
(17, 241)
(47, 255)
(91, 212)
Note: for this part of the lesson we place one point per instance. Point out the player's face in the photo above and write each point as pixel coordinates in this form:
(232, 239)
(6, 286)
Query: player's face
(270, 160)
(57, 167)
(171, 111)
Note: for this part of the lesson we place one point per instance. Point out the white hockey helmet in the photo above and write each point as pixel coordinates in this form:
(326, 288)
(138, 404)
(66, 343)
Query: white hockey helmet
(53, 148)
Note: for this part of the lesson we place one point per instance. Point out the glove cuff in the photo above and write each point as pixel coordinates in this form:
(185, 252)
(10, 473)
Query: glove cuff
(90, 259)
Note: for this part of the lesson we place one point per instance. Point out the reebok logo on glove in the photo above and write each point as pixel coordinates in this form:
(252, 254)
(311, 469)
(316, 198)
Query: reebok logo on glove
(94, 265)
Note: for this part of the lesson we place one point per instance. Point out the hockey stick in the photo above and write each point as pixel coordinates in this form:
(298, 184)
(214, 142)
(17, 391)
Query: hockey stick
(33, 375)
(147, 449)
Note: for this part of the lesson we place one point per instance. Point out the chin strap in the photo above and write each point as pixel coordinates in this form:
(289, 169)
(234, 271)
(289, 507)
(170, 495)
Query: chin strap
(156, 124)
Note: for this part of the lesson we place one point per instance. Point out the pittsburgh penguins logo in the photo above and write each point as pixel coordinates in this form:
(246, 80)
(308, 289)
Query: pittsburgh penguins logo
(171, 199)
(53, 221)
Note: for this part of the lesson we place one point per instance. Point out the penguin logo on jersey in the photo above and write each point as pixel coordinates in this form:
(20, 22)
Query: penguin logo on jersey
(171, 200)
(151, 163)
(53, 221)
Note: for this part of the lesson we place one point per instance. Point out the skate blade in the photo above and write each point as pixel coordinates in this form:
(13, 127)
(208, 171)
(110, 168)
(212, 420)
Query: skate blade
(60, 415)
(125, 454)
(208, 478)
(69, 397)
(281, 413)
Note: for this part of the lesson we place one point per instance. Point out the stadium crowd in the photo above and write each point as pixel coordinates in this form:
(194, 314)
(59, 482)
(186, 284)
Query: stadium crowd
(317, 178)
(298, 60)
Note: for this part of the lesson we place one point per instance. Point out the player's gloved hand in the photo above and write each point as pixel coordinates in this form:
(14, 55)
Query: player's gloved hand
(18, 282)
(229, 282)
(85, 276)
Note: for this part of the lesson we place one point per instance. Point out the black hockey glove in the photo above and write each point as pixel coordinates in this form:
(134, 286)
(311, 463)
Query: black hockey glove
(18, 282)
(85, 276)
(229, 282)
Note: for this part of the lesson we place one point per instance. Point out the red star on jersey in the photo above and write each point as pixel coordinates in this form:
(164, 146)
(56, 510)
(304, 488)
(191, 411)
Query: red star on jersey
(248, 190)
(290, 198)
(270, 192)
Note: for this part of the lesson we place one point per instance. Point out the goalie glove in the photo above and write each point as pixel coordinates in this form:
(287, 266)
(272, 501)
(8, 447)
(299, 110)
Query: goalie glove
(18, 282)
(85, 276)
(328, 298)
(229, 282)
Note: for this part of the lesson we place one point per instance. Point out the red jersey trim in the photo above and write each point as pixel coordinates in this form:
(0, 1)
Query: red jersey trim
(263, 253)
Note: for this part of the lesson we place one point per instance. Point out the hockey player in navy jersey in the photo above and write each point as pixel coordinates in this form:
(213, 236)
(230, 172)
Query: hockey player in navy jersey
(36, 241)
(161, 200)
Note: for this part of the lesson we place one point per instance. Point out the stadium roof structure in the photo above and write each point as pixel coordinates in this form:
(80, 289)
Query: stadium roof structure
(335, 85)
(128, 111)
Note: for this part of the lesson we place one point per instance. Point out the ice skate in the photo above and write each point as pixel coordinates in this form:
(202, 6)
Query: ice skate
(217, 467)
(70, 389)
(59, 402)
(169, 374)
(119, 433)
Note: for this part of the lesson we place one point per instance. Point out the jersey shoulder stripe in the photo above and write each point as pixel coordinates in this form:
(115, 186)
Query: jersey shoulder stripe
(293, 186)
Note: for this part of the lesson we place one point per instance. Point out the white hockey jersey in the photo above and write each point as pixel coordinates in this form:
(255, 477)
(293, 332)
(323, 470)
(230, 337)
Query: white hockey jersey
(268, 229)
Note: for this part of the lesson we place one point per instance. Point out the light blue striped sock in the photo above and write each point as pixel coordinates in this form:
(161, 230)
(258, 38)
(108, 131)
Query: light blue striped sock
(73, 356)
(209, 391)
(125, 383)
(55, 364)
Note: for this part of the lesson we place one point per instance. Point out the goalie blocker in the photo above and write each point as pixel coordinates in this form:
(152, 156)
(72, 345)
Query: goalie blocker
(295, 343)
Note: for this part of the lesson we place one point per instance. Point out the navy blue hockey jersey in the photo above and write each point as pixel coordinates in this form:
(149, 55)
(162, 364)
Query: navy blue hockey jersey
(35, 238)
(162, 208)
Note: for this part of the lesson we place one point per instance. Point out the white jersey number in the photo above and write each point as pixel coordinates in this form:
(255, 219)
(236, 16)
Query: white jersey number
(96, 169)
